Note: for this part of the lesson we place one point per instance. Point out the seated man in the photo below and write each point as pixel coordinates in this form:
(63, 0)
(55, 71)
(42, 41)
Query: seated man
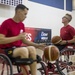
(67, 32)
(12, 35)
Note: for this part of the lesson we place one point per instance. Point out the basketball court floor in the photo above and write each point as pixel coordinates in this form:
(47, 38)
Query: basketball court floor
(38, 73)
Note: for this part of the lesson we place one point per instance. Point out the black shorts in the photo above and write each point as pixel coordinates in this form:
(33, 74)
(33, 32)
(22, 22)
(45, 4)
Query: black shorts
(60, 47)
(9, 52)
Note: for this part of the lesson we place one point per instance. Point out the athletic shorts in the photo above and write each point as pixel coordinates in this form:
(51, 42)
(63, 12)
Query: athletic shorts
(60, 47)
(9, 52)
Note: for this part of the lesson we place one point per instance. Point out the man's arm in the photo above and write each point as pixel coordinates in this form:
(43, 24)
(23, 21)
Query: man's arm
(6, 40)
(30, 43)
(72, 40)
(40, 46)
(67, 41)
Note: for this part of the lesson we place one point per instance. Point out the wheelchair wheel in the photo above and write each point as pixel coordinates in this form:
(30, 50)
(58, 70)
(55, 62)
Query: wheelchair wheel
(43, 68)
(65, 64)
(5, 65)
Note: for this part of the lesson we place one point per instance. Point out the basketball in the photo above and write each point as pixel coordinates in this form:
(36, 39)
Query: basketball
(56, 39)
(51, 53)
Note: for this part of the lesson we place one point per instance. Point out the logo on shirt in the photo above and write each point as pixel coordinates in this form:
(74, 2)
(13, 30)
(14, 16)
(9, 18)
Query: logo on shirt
(21, 31)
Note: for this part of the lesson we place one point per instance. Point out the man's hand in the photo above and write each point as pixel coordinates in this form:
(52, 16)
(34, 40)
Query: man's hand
(41, 46)
(63, 42)
(21, 36)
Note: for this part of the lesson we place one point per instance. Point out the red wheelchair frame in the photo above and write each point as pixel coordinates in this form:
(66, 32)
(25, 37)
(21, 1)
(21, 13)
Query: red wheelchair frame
(64, 62)
(46, 67)
(5, 60)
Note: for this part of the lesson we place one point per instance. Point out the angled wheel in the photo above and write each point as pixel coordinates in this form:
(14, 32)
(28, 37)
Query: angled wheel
(43, 68)
(5, 65)
(65, 63)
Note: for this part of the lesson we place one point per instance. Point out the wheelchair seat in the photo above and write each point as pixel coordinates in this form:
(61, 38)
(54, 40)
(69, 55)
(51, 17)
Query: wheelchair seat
(25, 61)
(19, 62)
(22, 61)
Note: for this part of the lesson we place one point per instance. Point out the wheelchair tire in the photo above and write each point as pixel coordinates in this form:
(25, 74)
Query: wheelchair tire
(6, 65)
(63, 62)
(58, 68)
(43, 69)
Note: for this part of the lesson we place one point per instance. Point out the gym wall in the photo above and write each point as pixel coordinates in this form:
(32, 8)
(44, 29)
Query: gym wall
(47, 14)
(42, 13)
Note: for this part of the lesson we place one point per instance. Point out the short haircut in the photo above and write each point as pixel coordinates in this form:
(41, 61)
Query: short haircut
(70, 17)
(21, 6)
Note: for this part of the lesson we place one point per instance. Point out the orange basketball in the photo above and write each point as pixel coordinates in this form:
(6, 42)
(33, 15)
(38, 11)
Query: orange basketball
(51, 53)
(56, 39)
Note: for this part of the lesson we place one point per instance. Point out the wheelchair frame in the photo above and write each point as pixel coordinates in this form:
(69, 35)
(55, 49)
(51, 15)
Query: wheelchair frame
(20, 63)
(46, 67)
(3, 59)
(64, 62)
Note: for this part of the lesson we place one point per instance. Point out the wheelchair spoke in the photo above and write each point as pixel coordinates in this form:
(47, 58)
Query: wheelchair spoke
(5, 65)
(64, 62)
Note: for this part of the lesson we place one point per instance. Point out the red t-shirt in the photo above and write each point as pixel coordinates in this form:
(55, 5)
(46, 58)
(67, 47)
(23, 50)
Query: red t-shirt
(10, 28)
(67, 33)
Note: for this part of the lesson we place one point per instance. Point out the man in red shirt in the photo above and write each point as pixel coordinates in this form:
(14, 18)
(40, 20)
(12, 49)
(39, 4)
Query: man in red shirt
(12, 35)
(67, 32)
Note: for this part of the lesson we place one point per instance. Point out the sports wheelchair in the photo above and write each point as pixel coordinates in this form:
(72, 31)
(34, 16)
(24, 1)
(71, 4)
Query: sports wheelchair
(66, 62)
(6, 65)
(63, 65)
